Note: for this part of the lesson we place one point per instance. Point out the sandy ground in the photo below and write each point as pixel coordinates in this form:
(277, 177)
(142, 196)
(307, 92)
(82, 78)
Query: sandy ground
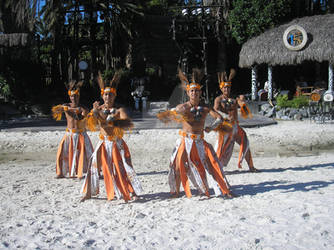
(288, 205)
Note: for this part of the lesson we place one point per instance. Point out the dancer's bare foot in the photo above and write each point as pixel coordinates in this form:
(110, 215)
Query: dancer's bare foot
(205, 195)
(60, 176)
(230, 195)
(86, 197)
(174, 195)
(254, 170)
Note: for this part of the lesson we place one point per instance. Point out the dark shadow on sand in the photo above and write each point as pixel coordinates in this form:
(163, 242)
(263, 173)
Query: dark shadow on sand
(167, 196)
(278, 170)
(246, 189)
(302, 168)
(241, 171)
(153, 197)
(34, 123)
(285, 187)
(153, 173)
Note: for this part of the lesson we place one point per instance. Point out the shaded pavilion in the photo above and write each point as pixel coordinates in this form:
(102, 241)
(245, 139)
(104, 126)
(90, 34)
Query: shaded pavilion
(269, 48)
(12, 40)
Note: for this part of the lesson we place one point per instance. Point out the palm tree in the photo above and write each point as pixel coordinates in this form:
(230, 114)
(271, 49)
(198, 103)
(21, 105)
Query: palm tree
(53, 17)
(221, 28)
(118, 26)
(19, 16)
(116, 20)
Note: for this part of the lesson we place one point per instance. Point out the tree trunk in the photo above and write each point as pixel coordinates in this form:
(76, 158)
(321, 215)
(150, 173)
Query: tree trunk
(54, 58)
(92, 35)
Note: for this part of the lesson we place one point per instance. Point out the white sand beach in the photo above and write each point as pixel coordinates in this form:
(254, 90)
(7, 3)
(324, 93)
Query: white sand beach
(288, 205)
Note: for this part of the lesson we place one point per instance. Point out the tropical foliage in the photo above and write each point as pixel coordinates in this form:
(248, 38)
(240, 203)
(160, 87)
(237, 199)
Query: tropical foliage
(4, 88)
(109, 34)
(250, 18)
(297, 102)
(18, 16)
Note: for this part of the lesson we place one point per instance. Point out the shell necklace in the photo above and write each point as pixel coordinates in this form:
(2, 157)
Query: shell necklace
(110, 113)
(196, 111)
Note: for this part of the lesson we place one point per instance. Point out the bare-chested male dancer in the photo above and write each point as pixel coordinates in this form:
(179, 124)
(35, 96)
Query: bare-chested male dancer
(228, 108)
(111, 154)
(193, 158)
(75, 148)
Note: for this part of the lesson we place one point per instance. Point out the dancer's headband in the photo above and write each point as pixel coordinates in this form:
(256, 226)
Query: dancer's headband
(108, 90)
(193, 86)
(73, 92)
(225, 84)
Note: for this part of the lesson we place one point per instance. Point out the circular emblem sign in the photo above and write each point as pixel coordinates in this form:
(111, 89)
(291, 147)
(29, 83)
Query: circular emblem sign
(295, 37)
(328, 96)
(83, 65)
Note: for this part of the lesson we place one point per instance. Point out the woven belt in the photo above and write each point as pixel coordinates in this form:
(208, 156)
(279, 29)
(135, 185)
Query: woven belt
(75, 130)
(109, 137)
(192, 136)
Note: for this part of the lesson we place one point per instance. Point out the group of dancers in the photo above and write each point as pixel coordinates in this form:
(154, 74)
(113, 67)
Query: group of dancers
(192, 159)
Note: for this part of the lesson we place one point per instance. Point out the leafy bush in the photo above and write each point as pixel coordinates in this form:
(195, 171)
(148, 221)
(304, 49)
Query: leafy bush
(249, 18)
(282, 101)
(297, 102)
(150, 71)
(300, 101)
(4, 87)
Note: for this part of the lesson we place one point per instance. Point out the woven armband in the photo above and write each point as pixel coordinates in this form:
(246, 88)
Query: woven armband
(215, 124)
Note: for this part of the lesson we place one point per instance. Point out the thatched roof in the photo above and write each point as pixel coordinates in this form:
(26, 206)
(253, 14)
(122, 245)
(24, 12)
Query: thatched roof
(269, 48)
(13, 40)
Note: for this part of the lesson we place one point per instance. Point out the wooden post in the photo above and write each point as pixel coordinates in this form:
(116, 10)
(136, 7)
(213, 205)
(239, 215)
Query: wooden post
(329, 95)
(270, 82)
(254, 82)
(330, 77)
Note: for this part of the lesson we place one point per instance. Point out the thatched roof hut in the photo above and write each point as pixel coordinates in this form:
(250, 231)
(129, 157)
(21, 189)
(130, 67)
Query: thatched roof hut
(13, 40)
(268, 48)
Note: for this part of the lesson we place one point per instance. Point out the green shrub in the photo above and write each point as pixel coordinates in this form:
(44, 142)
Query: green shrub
(4, 87)
(300, 101)
(150, 71)
(282, 101)
(297, 102)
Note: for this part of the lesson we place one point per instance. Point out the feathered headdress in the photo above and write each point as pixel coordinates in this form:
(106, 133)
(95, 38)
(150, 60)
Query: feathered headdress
(196, 78)
(111, 86)
(73, 87)
(225, 81)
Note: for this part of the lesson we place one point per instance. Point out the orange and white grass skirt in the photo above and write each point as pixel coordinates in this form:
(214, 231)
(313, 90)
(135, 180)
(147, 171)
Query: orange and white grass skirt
(73, 154)
(195, 159)
(225, 144)
(113, 158)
